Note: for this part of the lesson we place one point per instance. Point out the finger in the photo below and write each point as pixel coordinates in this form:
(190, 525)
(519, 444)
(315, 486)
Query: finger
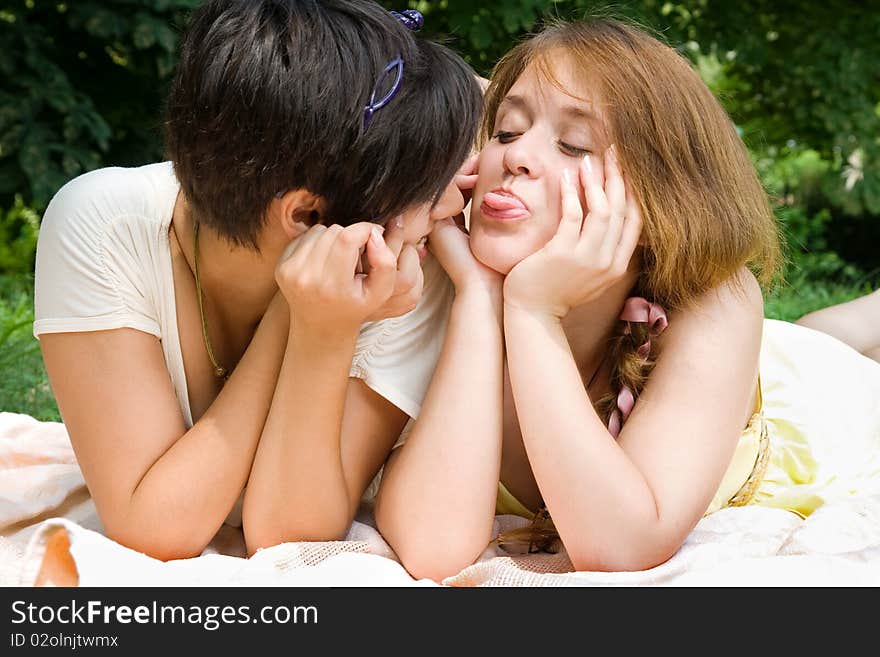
(317, 256)
(466, 183)
(363, 265)
(597, 168)
(410, 276)
(446, 240)
(596, 223)
(341, 252)
(470, 165)
(615, 192)
(572, 214)
(379, 283)
(466, 178)
(630, 234)
(400, 303)
(438, 232)
(302, 246)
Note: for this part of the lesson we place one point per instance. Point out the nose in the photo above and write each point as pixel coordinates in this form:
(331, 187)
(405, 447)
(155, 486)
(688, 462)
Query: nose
(521, 156)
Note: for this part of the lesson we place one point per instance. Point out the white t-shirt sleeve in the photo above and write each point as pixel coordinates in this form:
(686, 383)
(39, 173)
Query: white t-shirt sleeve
(396, 357)
(96, 255)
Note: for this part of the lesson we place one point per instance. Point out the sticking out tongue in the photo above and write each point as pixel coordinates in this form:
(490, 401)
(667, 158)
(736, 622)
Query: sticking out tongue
(498, 201)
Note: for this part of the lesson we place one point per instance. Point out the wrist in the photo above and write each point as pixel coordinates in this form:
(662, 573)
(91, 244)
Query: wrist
(516, 310)
(480, 292)
(277, 314)
(336, 336)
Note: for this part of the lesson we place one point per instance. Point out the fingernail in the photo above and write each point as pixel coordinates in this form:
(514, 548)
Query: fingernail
(566, 176)
(588, 164)
(612, 152)
(376, 235)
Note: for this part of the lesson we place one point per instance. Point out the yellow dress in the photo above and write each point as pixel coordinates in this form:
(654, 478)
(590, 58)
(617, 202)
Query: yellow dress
(815, 433)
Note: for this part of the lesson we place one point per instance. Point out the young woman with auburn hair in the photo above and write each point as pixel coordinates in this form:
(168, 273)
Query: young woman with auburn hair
(608, 372)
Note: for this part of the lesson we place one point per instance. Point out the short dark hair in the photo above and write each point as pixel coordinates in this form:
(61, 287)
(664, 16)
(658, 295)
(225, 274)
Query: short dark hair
(269, 95)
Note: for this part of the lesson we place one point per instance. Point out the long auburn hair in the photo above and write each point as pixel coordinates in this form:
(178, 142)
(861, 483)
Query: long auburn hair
(705, 212)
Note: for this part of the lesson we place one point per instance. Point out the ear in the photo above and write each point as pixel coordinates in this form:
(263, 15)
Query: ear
(299, 210)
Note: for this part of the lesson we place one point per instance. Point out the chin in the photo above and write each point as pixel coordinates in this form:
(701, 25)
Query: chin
(497, 259)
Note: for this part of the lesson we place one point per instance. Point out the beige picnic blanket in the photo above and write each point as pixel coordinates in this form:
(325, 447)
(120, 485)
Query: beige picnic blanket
(50, 535)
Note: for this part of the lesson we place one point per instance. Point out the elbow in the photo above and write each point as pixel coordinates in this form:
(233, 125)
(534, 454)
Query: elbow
(426, 555)
(161, 545)
(592, 562)
(431, 545)
(634, 553)
(266, 531)
(436, 564)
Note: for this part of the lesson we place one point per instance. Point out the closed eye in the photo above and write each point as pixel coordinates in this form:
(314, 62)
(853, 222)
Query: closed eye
(505, 137)
(574, 151)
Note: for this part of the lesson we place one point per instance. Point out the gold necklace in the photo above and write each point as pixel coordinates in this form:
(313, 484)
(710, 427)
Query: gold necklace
(219, 370)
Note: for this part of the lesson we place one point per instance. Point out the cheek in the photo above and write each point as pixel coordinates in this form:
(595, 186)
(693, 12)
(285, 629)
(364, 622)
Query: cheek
(449, 205)
(416, 228)
(411, 234)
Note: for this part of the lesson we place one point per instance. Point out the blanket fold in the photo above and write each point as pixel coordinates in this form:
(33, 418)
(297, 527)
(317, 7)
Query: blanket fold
(50, 535)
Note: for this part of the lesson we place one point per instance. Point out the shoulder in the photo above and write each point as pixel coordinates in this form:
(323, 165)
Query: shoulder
(101, 259)
(107, 214)
(741, 293)
(726, 320)
(736, 303)
(94, 199)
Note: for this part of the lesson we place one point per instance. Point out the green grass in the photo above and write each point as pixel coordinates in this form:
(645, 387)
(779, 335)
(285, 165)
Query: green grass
(789, 303)
(816, 280)
(24, 385)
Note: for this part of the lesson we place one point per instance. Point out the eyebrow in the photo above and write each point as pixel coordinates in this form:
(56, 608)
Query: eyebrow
(571, 111)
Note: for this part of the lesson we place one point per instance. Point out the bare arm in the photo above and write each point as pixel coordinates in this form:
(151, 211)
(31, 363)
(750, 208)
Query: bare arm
(159, 488)
(854, 322)
(443, 481)
(629, 504)
(325, 437)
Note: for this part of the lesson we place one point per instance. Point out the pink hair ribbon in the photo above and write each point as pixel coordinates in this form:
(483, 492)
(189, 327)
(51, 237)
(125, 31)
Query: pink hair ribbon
(636, 309)
(639, 309)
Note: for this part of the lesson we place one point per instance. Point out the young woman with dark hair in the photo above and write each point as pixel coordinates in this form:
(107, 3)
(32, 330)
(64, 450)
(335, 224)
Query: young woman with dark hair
(253, 321)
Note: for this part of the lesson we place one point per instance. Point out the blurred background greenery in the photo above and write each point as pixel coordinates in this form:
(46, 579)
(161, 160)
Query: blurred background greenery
(82, 85)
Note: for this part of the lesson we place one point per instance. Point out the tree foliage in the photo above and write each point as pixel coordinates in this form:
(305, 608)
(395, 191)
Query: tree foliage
(81, 86)
(82, 83)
